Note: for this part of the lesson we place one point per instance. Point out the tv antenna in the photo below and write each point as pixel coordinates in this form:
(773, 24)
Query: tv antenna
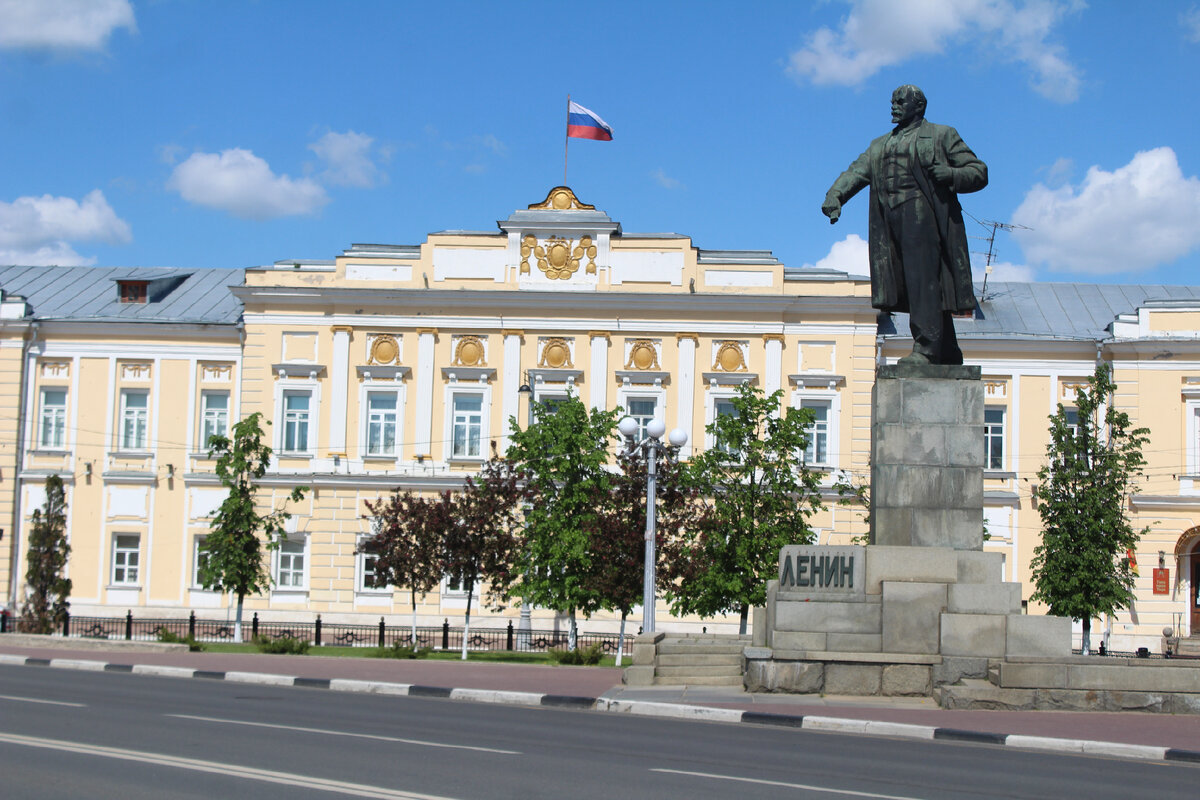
(990, 255)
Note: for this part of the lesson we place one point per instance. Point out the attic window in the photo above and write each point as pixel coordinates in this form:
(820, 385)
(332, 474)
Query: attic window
(133, 291)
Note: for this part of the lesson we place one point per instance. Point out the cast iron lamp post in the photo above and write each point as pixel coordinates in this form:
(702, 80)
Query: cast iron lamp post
(652, 447)
(525, 626)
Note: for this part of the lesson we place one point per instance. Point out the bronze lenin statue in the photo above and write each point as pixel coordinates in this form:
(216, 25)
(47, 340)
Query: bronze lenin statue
(918, 244)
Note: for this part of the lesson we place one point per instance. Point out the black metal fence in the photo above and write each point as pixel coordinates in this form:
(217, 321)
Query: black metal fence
(319, 633)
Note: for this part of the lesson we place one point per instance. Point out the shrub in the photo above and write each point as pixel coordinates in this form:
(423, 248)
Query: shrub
(589, 656)
(284, 645)
(168, 637)
(401, 650)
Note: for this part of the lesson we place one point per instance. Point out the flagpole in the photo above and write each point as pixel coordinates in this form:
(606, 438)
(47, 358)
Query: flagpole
(567, 139)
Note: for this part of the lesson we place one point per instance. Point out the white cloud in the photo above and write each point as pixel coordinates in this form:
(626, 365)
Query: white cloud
(1133, 218)
(664, 180)
(848, 255)
(1003, 271)
(243, 184)
(1190, 21)
(37, 230)
(882, 33)
(348, 159)
(62, 24)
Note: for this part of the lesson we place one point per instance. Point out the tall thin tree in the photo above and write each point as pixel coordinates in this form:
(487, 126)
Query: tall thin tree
(47, 587)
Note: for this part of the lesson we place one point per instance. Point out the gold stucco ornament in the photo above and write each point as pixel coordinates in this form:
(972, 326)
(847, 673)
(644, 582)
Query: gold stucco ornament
(556, 354)
(384, 350)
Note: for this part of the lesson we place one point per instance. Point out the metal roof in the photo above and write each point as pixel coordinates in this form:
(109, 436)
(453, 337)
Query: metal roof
(1065, 311)
(202, 296)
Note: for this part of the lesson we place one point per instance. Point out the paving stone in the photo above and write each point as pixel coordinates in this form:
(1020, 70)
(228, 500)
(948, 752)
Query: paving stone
(972, 635)
(1038, 636)
(975, 566)
(910, 615)
(906, 680)
(832, 617)
(984, 598)
(796, 677)
(909, 564)
(854, 642)
(955, 668)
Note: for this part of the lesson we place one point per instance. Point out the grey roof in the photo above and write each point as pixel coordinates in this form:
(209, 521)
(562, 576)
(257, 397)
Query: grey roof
(90, 293)
(1065, 311)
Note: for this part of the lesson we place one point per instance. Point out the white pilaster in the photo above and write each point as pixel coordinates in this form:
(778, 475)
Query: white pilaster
(338, 376)
(686, 392)
(773, 371)
(598, 374)
(423, 440)
(509, 398)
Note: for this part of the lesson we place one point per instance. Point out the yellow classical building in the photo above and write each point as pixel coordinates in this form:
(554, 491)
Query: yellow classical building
(395, 366)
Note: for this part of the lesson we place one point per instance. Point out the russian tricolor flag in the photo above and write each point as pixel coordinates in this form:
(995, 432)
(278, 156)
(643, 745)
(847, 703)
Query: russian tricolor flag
(584, 124)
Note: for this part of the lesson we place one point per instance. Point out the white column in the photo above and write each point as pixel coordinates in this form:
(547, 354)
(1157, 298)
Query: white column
(423, 441)
(773, 371)
(685, 398)
(339, 386)
(509, 398)
(598, 374)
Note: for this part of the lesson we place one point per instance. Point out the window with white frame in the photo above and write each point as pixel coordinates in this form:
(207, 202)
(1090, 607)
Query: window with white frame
(297, 410)
(126, 559)
(466, 425)
(1072, 415)
(199, 557)
(382, 409)
(135, 419)
(993, 438)
(641, 410)
(52, 419)
(368, 569)
(289, 573)
(817, 452)
(722, 406)
(214, 416)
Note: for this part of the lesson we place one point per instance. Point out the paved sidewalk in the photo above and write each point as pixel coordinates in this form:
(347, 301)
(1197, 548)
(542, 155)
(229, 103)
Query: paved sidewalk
(601, 688)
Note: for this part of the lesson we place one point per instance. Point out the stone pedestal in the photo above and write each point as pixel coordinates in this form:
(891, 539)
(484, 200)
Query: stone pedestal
(927, 457)
(922, 605)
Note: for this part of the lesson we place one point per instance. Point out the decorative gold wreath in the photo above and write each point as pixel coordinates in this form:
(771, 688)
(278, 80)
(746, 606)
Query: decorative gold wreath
(559, 258)
(730, 357)
(384, 350)
(556, 354)
(642, 355)
(469, 352)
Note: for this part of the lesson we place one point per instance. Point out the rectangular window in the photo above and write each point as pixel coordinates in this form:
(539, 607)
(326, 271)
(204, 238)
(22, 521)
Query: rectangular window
(133, 291)
(214, 416)
(135, 419)
(723, 407)
(468, 426)
(1072, 420)
(381, 423)
(817, 451)
(52, 422)
(125, 560)
(993, 438)
(295, 421)
(291, 565)
(642, 410)
(198, 559)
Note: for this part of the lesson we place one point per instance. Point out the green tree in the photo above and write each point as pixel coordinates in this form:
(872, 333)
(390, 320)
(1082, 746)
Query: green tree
(1093, 461)
(406, 543)
(232, 553)
(481, 525)
(47, 589)
(761, 496)
(562, 457)
(619, 548)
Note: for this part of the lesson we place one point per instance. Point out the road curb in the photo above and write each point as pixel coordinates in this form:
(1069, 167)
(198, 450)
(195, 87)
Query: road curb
(812, 723)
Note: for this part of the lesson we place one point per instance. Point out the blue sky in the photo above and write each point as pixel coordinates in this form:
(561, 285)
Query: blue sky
(203, 133)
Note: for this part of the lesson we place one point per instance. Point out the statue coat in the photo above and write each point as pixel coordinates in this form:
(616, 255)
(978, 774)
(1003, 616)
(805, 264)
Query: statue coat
(940, 143)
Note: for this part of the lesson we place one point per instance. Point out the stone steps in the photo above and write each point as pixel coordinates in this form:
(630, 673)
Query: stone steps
(701, 660)
(707, 660)
(1189, 647)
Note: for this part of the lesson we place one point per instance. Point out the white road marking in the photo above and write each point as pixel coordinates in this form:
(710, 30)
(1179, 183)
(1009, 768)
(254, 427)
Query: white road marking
(230, 770)
(826, 789)
(323, 732)
(47, 702)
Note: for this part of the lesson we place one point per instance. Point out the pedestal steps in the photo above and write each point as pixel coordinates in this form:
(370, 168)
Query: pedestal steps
(1190, 647)
(700, 661)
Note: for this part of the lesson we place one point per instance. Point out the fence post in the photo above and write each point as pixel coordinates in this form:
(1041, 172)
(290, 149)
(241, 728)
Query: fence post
(510, 635)
(192, 625)
(129, 625)
(66, 623)
(317, 632)
(4, 621)
(382, 631)
(254, 626)
(445, 634)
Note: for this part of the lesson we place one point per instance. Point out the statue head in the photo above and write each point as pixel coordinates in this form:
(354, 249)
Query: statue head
(908, 104)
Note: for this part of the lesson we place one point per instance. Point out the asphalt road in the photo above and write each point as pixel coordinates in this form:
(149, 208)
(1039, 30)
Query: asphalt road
(111, 735)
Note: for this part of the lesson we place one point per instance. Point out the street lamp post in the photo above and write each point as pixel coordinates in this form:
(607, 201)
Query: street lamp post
(525, 625)
(652, 447)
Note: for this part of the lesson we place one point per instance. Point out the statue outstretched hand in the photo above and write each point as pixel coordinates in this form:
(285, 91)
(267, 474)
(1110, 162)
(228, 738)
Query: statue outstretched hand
(832, 209)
